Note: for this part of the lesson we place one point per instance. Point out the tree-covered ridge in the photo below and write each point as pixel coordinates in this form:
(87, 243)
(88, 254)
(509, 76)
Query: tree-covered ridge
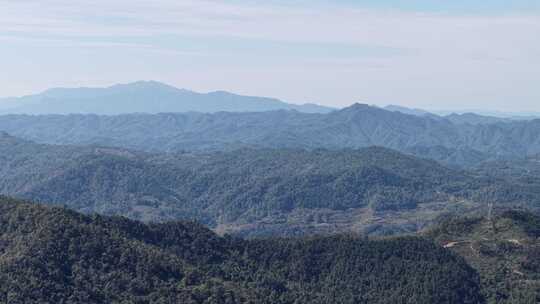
(505, 249)
(357, 126)
(253, 191)
(53, 255)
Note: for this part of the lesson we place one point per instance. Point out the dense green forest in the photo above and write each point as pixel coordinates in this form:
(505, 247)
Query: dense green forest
(505, 249)
(255, 192)
(54, 255)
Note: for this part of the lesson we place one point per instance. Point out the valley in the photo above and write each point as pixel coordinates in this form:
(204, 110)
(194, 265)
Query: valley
(256, 192)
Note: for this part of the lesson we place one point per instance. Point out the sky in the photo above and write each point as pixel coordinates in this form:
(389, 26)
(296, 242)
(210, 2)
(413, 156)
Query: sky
(429, 54)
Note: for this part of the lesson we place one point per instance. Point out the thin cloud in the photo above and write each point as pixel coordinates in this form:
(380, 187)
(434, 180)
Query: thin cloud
(299, 24)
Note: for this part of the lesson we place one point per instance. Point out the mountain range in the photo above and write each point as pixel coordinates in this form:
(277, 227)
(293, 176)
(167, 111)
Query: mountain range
(257, 192)
(454, 144)
(471, 116)
(303, 204)
(143, 97)
(155, 97)
(410, 111)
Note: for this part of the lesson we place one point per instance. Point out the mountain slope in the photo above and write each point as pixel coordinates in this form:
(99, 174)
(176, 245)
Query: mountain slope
(504, 249)
(58, 256)
(354, 127)
(144, 97)
(253, 191)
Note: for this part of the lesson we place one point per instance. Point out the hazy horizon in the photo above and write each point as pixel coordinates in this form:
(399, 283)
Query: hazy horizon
(431, 55)
(439, 111)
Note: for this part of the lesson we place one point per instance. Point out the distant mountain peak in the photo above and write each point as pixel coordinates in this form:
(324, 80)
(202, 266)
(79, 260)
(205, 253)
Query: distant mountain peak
(468, 114)
(358, 107)
(359, 111)
(406, 110)
(146, 96)
(221, 92)
(361, 107)
(474, 119)
(146, 84)
(143, 85)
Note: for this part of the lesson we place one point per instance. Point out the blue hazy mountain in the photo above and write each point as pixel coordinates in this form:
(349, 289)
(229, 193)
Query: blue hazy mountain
(406, 110)
(143, 97)
(494, 114)
(356, 126)
(474, 117)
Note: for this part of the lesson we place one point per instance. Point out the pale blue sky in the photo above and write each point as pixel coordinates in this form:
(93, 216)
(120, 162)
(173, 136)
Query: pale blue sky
(443, 6)
(431, 54)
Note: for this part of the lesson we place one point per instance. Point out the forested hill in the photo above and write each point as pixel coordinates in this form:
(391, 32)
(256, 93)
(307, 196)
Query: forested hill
(254, 191)
(505, 249)
(460, 144)
(52, 255)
